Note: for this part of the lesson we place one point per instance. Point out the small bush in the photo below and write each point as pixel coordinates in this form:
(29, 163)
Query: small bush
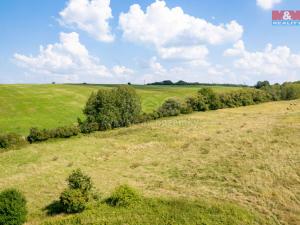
(78, 180)
(64, 132)
(36, 135)
(290, 91)
(171, 107)
(12, 208)
(73, 201)
(88, 127)
(185, 108)
(123, 196)
(11, 140)
(210, 98)
(75, 198)
(197, 103)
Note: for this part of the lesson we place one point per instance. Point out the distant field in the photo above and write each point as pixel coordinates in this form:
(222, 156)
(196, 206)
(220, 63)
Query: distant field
(48, 106)
(240, 166)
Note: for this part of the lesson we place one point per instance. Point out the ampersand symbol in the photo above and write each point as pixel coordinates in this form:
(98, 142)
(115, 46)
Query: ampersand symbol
(286, 15)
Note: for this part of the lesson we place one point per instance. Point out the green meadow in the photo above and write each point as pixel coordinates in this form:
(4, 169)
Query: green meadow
(230, 166)
(49, 106)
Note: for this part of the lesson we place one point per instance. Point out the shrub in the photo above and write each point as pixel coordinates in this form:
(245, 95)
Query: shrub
(210, 98)
(64, 132)
(12, 207)
(78, 180)
(11, 140)
(123, 196)
(101, 109)
(197, 103)
(171, 107)
(75, 198)
(290, 91)
(185, 108)
(73, 201)
(36, 135)
(114, 108)
(128, 104)
(88, 127)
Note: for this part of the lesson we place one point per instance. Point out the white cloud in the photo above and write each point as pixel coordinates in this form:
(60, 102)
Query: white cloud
(122, 70)
(70, 61)
(156, 67)
(175, 34)
(91, 16)
(277, 62)
(267, 4)
(162, 26)
(158, 71)
(188, 53)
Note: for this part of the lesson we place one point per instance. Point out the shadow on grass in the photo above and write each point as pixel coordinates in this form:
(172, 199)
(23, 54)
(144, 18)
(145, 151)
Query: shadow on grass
(54, 208)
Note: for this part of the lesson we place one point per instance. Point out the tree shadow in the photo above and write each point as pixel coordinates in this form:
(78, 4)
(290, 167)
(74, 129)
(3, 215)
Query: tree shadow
(53, 208)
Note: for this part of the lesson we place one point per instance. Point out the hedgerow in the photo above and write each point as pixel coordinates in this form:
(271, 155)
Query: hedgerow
(121, 107)
(11, 140)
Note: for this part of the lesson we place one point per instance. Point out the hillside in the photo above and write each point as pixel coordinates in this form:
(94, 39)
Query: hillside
(243, 160)
(48, 106)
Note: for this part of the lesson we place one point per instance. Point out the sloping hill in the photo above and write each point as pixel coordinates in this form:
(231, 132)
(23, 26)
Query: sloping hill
(49, 106)
(248, 156)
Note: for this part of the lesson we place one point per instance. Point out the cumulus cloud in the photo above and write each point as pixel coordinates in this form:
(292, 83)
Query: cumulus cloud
(91, 16)
(122, 70)
(267, 4)
(278, 61)
(69, 60)
(175, 34)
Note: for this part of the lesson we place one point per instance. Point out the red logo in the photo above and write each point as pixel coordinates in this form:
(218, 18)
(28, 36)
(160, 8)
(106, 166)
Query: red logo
(286, 15)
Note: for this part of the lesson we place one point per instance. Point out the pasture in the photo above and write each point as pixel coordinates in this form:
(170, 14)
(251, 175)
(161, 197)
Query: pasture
(220, 167)
(49, 106)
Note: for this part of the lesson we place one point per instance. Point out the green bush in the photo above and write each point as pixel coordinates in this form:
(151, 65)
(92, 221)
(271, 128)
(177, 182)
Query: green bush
(210, 98)
(88, 127)
(186, 108)
(171, 107)
(73, 201)
(78, 180)
(11, 140)
(197, 103)
(290, 91)
(12, 207)
(128, 104)
(114, 108)
(64, 132)
(123, 196)
(243, 97)
(36, 135)
(75, 198)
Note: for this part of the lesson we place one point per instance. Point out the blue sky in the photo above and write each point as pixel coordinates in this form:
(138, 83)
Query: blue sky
(139, 41)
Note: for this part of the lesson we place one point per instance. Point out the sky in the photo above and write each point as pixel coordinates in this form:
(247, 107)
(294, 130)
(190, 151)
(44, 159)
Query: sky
(143, 41)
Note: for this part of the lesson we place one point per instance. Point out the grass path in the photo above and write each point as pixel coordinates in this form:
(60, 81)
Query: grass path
(248, 156)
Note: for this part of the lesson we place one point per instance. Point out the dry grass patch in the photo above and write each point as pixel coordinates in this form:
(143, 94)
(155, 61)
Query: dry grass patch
(248, 156)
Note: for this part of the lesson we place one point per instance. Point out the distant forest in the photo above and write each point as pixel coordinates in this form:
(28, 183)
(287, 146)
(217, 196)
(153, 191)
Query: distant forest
(181, 82)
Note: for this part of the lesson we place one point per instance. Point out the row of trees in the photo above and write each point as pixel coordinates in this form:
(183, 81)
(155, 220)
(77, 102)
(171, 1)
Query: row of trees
(121, 107)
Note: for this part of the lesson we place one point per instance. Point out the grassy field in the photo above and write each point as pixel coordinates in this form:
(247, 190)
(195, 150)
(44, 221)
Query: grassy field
(49, 106)
(220, 167)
